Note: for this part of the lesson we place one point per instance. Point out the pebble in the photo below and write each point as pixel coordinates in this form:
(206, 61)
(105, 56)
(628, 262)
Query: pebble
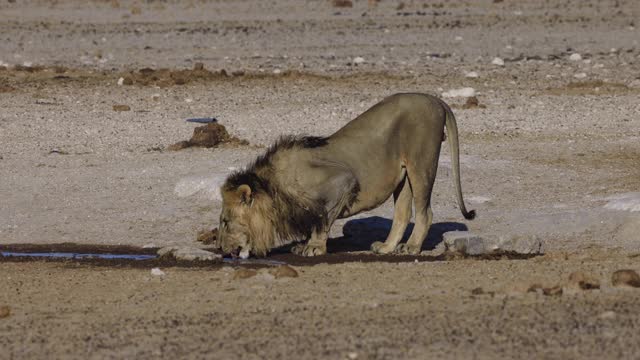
(626, 277)
(243, 273)
(187, 253)
(358, 60)
(580, 75)
(575, 57)
(121, 108)
(120, 81)
(608, 315)
(157, 272)
(5, 311)
(582, 281)
(497, 61)
(462, 92)
(277, 72)
(284, 271)
(471, 74)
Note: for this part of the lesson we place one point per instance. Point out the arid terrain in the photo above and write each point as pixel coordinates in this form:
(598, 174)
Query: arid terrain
(93, 94)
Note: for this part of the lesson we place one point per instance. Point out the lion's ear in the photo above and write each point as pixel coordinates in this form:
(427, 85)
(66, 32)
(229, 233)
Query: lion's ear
(245, 194)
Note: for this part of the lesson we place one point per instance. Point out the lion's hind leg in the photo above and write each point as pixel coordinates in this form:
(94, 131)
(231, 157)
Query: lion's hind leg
(421, 185)
(403, 199)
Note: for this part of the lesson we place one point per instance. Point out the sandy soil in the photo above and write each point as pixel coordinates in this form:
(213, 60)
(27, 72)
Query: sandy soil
(555, 153)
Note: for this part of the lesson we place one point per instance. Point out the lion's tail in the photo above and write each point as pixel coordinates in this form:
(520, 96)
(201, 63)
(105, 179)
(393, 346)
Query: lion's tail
(452, 134)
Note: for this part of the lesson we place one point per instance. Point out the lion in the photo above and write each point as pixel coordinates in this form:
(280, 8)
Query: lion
(302, 184)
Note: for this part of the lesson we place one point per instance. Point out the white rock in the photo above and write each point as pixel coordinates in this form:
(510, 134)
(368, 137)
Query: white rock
(157, 272)
(471, 74)
(188, 100)
(358, 60)
(188, 253)
(466, 242)
(479, 199)
(520, 244)
(277, 71)
(462, 92)
(624, 202)
(27, 64)
(580, 75)
(149, 245)
(458, 38)
(120, 81)
(575, 57)
(497, 61)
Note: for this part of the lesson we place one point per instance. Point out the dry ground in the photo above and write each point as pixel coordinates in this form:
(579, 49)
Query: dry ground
(557, 140)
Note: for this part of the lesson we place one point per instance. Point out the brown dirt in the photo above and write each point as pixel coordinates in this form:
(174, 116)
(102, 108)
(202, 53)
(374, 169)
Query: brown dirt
(208, 136)
(539, 160)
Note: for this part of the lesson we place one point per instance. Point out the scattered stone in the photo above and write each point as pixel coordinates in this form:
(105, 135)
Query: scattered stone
(472, 103)
(477, 291)
(120, 81)
(471, 74)
(497, 61)
(358, 60)
(187, 253)
(582, 281)
(243, 273)
(458, 38)
(157, 272)
(626, 277)
(462, 92)
(277, 72)
(624, 202)
(535, 288)
(478, 199)
(580, 75)
(5, 311)
(440, 249)
(210, 135)
(575, 57)
(121, 108)
(466, 242)
(520, 244)
(608, 315)
(343, 3)
(208, 237)
(352, 355)
(552, 291)
(283, 271)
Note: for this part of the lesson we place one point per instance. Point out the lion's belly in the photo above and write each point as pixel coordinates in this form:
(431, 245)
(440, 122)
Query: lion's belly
(374, 193)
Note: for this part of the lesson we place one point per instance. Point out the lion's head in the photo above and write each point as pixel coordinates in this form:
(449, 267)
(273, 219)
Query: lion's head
(246, 221)
(259, 213)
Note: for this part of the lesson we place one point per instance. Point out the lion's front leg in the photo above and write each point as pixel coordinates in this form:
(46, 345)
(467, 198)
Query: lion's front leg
(317, 245)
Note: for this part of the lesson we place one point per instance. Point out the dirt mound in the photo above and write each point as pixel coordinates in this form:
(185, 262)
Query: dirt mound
(168, 77)
(210, 135)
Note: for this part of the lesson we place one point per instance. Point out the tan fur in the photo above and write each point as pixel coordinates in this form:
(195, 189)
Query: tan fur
(303, 184)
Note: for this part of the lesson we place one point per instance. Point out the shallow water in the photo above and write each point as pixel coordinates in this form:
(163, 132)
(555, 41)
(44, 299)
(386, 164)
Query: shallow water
(69, 255)
(73, 255)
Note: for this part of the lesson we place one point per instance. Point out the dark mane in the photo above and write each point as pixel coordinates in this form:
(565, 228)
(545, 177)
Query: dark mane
(249, 175)
(293, 218)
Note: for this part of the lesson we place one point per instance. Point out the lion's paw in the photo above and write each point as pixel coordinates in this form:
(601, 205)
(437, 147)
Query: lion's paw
(406, 249)
(308, 250)
(379, 248)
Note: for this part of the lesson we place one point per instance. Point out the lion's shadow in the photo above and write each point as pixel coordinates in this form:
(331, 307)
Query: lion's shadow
(359, 234)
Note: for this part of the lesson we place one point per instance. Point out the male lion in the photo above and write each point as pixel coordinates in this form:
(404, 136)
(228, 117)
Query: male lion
(301, 185)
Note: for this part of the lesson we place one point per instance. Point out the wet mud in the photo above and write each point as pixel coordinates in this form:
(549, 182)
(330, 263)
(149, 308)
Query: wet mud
(83, 256)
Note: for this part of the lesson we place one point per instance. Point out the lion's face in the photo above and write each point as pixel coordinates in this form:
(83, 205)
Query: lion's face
(233, 232)
(245, 225)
